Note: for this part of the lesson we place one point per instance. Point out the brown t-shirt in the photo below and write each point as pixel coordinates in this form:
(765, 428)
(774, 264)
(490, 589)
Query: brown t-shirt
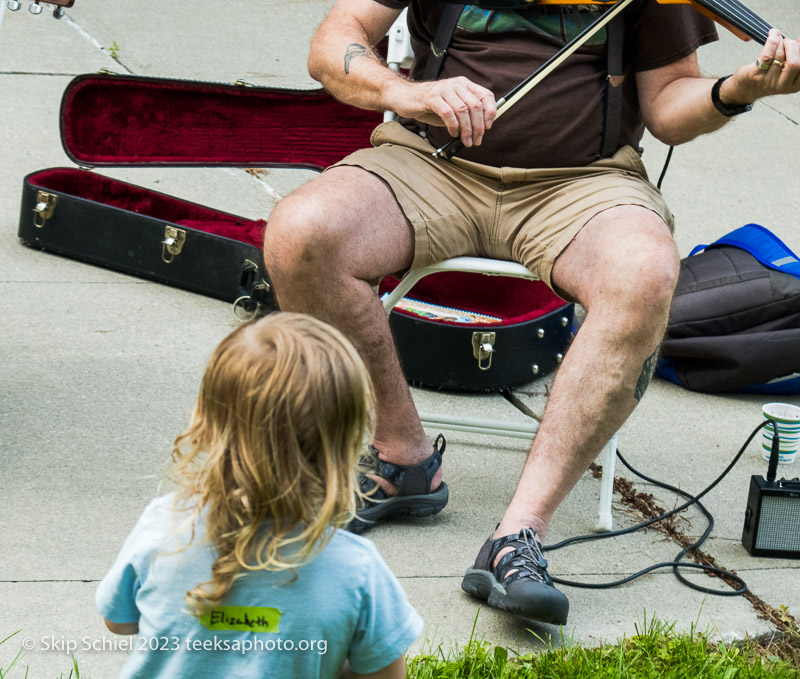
(558, 123)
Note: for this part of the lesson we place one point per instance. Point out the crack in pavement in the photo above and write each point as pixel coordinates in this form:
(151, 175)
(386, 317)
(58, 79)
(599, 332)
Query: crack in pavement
(23, 582)
(93, 41)
(780, 113)
(69, 75)
(645, 505)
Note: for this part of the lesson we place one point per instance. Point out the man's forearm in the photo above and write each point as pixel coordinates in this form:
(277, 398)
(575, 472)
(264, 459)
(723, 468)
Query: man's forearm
(343, 60)
(678, 106)
(686, 111)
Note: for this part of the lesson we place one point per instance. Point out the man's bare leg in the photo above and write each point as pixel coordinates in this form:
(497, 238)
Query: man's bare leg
(622, 267)
(325, 246)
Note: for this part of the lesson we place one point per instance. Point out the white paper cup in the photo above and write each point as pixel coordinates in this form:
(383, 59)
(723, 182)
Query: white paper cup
(787, 419)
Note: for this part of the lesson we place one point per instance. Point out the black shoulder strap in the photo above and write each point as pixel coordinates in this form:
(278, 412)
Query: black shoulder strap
(444, 34)
(612, 99)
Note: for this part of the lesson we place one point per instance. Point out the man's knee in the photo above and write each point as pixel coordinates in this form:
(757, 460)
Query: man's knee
(624, 259)
(300, 237)
(641, 262)
(654, 277)
(635, 271)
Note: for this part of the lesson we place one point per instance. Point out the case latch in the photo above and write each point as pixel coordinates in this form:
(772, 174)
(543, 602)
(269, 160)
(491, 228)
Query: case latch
(45, 206)
(483, 348)
(172, 244)
(248, 307)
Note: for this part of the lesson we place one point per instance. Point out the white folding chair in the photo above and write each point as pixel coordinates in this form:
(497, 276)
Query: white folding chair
(400, 55)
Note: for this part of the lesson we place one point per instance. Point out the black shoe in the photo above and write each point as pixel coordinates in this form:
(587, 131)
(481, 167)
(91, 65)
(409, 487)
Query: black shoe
(528, 592)
(414, 497)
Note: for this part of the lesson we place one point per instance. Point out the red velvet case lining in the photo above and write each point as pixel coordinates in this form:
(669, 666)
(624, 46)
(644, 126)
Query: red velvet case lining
(124, 120)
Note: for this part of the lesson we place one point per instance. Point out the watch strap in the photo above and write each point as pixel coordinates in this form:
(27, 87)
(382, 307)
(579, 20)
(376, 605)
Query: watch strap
(724, 109)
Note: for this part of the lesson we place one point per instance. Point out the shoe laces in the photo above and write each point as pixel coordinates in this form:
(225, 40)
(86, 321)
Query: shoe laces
(369, 463)
(526, 560)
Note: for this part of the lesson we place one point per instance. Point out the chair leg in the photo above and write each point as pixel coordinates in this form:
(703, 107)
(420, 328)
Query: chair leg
(605, 522)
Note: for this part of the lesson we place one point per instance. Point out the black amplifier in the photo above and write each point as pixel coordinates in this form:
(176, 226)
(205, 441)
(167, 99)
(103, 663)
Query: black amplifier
(772, 518)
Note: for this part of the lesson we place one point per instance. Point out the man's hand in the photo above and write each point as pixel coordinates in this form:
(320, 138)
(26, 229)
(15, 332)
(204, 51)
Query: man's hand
(467, 110)
(779, 73)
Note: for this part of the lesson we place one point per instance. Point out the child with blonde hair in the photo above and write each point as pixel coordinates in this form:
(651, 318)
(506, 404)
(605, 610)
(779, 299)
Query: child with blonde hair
(242, 571)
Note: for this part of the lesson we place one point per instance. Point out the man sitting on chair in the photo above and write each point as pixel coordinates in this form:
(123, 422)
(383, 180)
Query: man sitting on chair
(534, 189)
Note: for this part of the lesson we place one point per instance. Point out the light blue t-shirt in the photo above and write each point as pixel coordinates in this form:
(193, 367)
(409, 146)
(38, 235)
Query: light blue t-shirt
(346, 603)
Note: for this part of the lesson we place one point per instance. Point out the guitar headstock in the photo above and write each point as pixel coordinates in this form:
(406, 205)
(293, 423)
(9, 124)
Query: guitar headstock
(36, 6)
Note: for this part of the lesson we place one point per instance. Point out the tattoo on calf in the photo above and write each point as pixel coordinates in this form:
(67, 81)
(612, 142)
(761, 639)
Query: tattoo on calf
(648, 368)
(354, 50)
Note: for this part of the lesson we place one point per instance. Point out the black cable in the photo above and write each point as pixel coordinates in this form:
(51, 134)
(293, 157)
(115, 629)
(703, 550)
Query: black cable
(676, 564)
(664, 170)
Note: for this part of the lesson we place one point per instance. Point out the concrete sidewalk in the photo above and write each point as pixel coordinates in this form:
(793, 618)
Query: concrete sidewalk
(100, 370)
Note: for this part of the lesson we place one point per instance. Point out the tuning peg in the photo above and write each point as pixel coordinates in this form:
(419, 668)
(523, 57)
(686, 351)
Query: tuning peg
(35, 7)
(13, 5)
(58, 12)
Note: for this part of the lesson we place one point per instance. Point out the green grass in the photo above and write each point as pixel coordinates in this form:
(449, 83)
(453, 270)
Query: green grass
(655, 651)
(23, 672)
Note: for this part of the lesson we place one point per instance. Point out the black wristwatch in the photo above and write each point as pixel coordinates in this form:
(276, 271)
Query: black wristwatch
(724, 109)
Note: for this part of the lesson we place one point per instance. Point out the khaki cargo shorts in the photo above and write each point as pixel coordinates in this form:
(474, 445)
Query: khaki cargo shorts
(458, 207)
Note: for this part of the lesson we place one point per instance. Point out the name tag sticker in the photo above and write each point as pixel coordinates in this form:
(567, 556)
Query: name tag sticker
(242, 619)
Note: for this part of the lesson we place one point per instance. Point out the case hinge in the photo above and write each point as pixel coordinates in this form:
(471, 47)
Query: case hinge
(483, 348)
(172, 244)
(242, 83)
(45, 206)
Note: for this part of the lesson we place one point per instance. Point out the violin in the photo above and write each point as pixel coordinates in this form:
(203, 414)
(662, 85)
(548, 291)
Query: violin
(732, 14)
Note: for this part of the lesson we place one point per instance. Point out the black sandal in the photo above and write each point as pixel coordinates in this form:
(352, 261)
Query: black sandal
(520, 583)
(414, 497)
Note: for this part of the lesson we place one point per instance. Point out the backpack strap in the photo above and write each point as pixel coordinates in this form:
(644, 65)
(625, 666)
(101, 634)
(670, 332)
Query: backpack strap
(764, 245)
(612, 98)
(440, 43)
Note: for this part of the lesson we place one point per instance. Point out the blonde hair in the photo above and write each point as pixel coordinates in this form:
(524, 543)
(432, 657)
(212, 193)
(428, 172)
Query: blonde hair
(285, 406)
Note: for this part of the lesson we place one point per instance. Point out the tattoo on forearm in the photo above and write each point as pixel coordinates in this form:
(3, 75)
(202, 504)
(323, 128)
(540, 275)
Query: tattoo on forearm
(354, 50)
(648, 369)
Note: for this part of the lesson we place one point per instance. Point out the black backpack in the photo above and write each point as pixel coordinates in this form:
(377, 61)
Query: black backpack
(734, 324)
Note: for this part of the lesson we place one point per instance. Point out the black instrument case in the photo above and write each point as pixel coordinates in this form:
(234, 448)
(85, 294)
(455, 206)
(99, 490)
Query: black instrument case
(112, 120)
